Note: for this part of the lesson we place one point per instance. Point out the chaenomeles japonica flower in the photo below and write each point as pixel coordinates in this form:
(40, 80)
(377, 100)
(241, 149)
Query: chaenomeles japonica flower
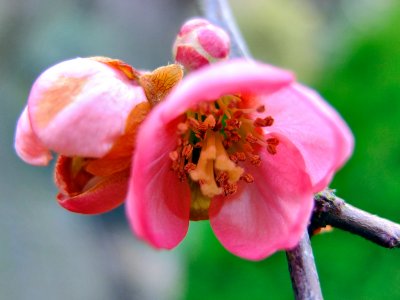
(237, 142)
(87, 110)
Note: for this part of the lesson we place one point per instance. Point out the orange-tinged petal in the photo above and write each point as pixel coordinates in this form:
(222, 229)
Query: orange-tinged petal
(128, 70)
(107, 167)
(159, 83)
(56, 98)
(119, 157)
(88, 194)
(80, 107)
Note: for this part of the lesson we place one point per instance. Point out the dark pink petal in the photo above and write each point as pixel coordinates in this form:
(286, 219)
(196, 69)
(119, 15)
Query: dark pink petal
(101, 195)
(79, 107)
(27, 145)
(314, 127)
(269, 214)
(157, 203)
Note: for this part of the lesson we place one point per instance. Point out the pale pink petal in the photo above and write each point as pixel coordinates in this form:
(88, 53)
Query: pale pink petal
(27, 145)
(223, 78)
(157, 203)
(314, 127)
(79, 107)
(269, 214)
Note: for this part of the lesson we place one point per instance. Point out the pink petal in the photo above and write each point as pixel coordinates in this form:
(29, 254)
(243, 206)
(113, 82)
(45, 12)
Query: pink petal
(158, 203)
(269, 214)
(223, 78)
(314, 127)
(79, 107)
(27, 145)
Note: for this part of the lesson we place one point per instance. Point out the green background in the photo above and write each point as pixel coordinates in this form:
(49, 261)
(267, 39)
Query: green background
(348, 50)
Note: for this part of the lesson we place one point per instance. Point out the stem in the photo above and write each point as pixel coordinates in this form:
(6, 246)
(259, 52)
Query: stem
(303, 273)
(331, 210)
(219, 13)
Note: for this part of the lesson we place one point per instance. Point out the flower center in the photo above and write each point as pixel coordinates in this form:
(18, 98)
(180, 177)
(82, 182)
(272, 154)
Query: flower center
(214, 141)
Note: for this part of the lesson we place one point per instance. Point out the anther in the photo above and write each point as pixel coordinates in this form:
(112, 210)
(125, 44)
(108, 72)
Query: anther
(187, 151)
(233, 157)
(209, 122)
(222, 177)
(272, 143)
(189, 167)
(251, 138)
(268, 121)
(173, 155)
(233, 124)
(254, 159)
(182, 128)
(193, 123)
(247, 178)
(241, 156)
(261, 109)
(230, 188)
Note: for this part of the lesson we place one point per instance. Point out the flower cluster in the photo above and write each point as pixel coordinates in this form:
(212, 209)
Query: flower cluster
(235, 142)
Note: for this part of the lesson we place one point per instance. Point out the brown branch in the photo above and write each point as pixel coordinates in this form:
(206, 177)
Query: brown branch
(331, 210)
(303, 272)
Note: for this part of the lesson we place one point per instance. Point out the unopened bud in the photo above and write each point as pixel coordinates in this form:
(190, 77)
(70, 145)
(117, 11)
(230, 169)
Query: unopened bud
(199, 43)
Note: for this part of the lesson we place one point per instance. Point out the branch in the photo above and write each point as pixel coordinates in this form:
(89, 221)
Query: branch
(219, 13)
(331, 210)
(303, 273)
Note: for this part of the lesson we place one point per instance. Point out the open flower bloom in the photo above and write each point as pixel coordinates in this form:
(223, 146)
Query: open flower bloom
(86, 110)
(241, 144)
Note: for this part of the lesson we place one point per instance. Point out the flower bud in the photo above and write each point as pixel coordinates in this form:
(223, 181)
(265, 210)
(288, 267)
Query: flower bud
(199, 43)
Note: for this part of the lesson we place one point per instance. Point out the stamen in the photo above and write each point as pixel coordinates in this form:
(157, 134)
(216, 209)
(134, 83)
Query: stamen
(272, 143)
(187, 151)
(222, 177)
(268, 121)
(182, 128)
(247, 178)
(189, 167)
(230, 188)
(232, 124)
(213, 140)
(210, 121)
(251, 138)
(261, 109)
(173, 155)
(241, 156)
(254, 159)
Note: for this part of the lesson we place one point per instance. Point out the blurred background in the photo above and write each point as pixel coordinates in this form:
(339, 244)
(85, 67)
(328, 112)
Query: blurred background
(348, 50)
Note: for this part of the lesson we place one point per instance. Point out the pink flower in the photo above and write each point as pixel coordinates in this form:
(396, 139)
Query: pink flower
(87, 111)
(200, 43)
(241, 144)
